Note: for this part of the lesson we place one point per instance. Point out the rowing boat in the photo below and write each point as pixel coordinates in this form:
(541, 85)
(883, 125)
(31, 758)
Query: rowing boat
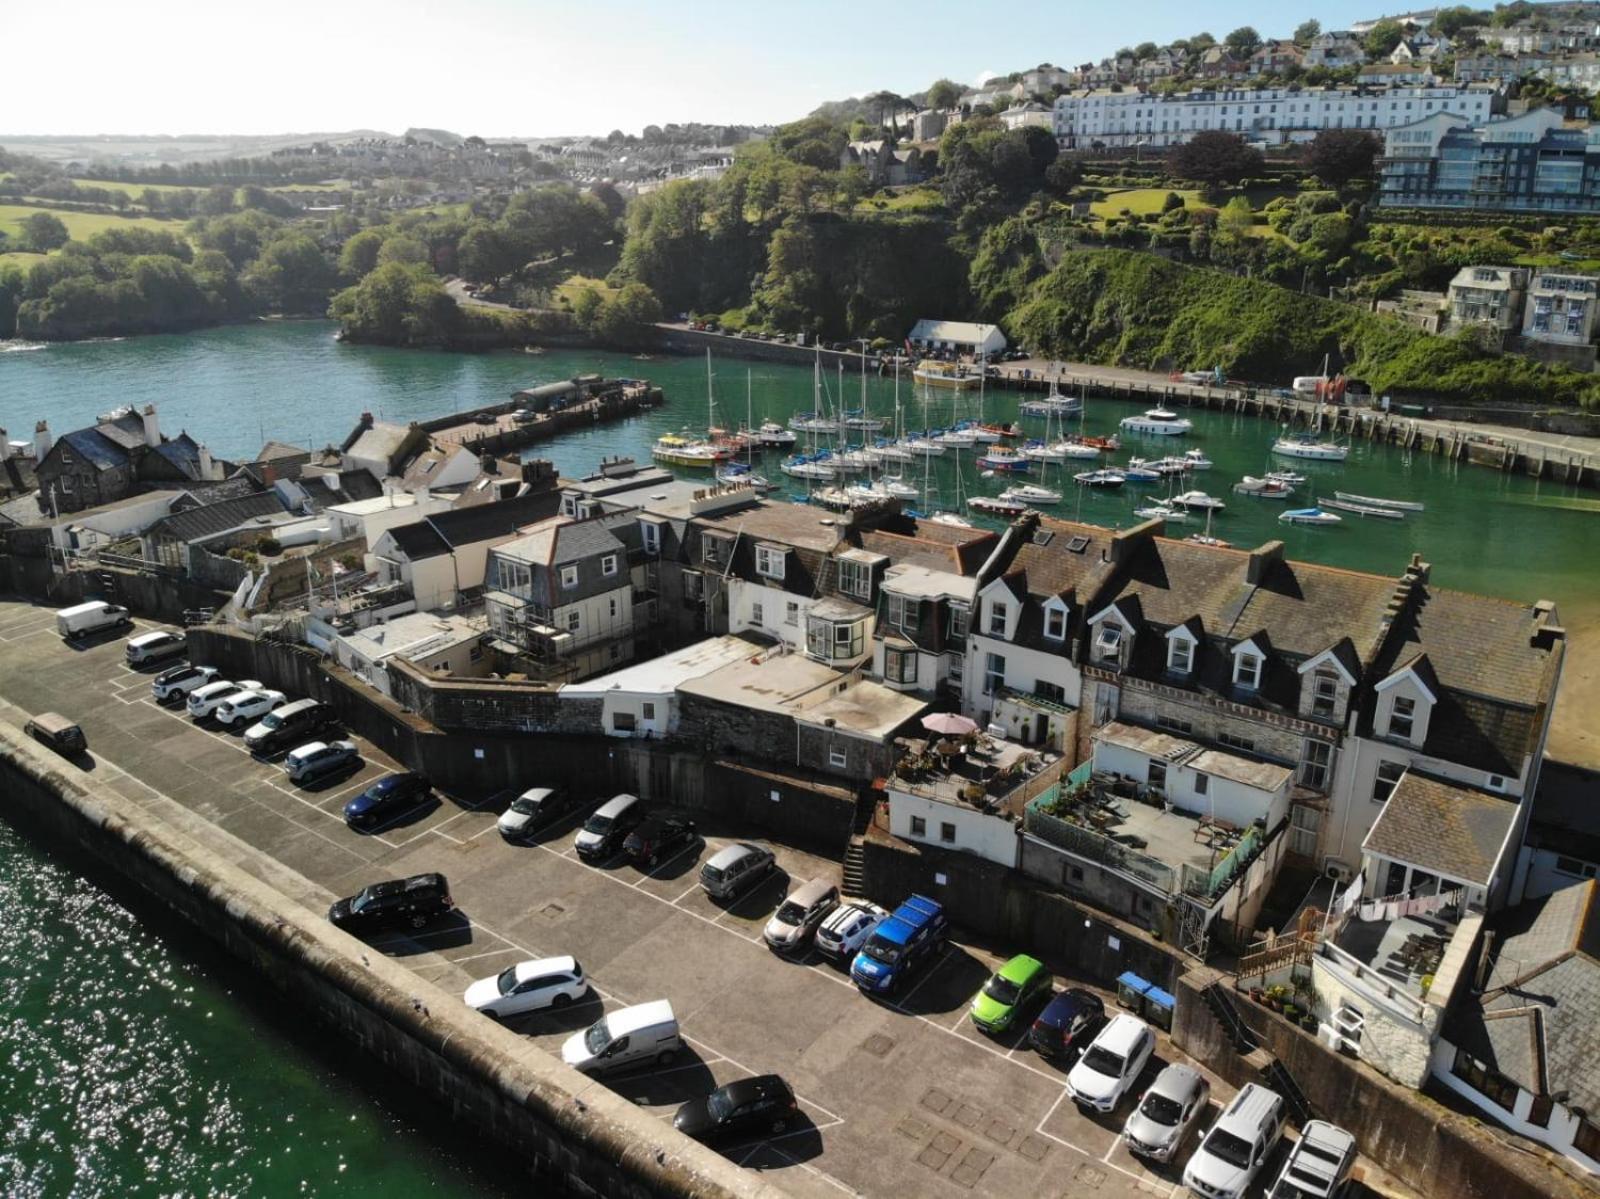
(1361, 509)
(1373, 502)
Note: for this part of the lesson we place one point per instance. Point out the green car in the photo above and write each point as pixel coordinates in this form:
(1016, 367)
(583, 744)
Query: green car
(1009, 992)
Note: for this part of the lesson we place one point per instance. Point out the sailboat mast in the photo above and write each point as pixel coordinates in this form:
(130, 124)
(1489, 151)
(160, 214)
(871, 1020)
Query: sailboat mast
(749, 420)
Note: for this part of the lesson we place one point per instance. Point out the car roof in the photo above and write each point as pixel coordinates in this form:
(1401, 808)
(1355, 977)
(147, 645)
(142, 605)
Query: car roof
(1020, 968)
(1329, 1136)
(1177, 1081)
(1070, 1001)
(301, 752)
(810, 892)
(537, 793)
(616, 805)
(641, 1015)
(299, 705)
(730, 854)
(762, 1086)
(1121, 1032)
(655, 823)
(539, 967)
(147, 638)
(1249, 1107)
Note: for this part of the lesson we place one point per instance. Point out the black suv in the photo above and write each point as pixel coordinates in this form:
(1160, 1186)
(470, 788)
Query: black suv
(291, 725)
(410, 901)
(658, 837)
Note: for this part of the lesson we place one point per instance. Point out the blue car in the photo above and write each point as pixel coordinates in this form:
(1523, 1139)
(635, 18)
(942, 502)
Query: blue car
(387, 799)
(898, 945)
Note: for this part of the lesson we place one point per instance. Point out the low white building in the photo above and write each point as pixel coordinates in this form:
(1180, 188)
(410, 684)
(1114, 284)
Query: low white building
(368, 519)
(446, 645)
(959, 337)
(642, 701)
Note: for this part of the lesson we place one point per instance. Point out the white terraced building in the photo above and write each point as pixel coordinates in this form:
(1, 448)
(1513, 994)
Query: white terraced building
(1275, 115)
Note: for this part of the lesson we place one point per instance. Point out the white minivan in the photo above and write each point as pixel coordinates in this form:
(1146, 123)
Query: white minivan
(630, 1036)
(1238, 1144)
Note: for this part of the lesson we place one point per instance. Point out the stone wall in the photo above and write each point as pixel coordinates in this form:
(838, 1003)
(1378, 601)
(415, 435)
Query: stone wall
(508, 1089)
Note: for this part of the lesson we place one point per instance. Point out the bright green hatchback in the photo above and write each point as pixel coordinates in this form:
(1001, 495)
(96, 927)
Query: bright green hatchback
(1011, 990)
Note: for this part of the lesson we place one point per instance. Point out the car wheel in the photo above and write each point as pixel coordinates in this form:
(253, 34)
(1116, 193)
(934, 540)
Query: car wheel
(779, 1125)
(562, 1000)
(418, 921)
(666, 1056)
(494, 1016)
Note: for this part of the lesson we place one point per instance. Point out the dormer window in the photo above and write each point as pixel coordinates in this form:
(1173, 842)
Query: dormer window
(1403, 717)
(1180, 655)
(650, 536)
(569, 576)
(769, 561)
(608, 565)
(1247, 670)
(998, 613)
(714, 550)
(1055, 623)
(903, 614)
(1108, 642)
(1324, 693)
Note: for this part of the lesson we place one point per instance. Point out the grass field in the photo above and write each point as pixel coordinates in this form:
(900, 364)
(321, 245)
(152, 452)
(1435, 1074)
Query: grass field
(910, 199)
(1139, 201)
(580, 283)
(134, 189)
(21, 258)
(80, 225)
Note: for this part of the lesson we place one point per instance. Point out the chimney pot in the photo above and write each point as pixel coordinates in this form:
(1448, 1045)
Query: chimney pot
(41, 440)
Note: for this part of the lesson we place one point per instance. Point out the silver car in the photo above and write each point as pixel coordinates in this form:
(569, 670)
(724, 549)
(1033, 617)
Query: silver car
(1166, 1113)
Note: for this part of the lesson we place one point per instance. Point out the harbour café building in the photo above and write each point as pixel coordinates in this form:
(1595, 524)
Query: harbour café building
(957, 339)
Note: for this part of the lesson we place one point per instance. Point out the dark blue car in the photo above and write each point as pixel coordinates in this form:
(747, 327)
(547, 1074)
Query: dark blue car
(1069, 1020)
(386, 800)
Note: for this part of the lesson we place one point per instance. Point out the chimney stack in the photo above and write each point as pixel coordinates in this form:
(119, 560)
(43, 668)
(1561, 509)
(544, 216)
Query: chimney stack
(5, 445)
(1125, 543)
(208, 468)
(41, 440)
(1261, 559)
(152, 429)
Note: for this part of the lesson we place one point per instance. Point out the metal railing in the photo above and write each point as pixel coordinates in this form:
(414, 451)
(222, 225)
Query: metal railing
(1371, 979)
(1095, 847)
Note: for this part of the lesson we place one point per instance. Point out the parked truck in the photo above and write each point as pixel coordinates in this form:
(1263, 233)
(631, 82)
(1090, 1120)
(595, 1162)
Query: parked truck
(96, 616)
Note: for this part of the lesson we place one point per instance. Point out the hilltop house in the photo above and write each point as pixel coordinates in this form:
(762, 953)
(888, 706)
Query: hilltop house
(123, 453)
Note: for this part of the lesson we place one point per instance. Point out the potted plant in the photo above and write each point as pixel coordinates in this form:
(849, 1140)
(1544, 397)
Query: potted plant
(1276, 994)
(1426, 983)
(1292, 1012)
(1259, 994)
(1310, 1023)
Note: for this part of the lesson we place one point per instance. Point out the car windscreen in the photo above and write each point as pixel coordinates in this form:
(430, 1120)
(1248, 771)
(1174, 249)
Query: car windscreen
(272, 720)
(1232, 1149)
(712, 874)
(525, 805)
(1162, 1109)
(364, 900)
(1102, 1061)
(883, 951)
(598, 1036)
(597, 824)
(1002, 990)
(507, 982)
(720, 1104)
(791, 913)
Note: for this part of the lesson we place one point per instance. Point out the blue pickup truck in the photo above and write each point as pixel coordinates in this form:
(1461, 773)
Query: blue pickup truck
(900, 945)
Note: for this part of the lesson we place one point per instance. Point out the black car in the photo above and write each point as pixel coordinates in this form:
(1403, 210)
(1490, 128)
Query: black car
(1068, 1020)
(658, 837)
(387, 799)
(413, 901)
(750, 1106)
(291, 725)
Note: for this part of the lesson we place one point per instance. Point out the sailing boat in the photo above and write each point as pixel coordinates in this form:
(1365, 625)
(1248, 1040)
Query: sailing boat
(1206, 538)
(813, 465)
(684, 449)
(948, 517)
(745, 472)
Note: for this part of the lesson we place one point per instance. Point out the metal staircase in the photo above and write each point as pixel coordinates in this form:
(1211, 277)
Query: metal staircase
(1281, 1081)
(1238, 1033)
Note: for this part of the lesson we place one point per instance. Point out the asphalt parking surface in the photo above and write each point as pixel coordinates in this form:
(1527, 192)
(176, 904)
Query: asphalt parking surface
(898, 1097)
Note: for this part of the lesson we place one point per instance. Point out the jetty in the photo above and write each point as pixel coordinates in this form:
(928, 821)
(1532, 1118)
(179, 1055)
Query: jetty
(535, 414)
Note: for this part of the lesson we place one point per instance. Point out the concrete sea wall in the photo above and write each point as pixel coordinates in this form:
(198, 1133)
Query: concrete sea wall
(509, 1090)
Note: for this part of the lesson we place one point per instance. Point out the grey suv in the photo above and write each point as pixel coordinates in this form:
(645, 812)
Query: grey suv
(1166, 1113)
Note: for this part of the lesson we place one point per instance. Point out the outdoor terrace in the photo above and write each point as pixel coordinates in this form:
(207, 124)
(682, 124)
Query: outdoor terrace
(981, 772)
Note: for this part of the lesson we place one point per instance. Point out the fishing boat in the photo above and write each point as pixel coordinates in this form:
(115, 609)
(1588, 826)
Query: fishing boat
(1292, 477)
(1198, 500)
(774, 436)
(1031, 493)
(1166, 512)
(1197, 459)
(1362, 509)
(1000, 458)
(1305, 447)
(1266, 489)
(813, 422)
(1369, 501)
(931, 373)
(996, 507)
(682, 450)
(738, 474)
(1100, 478)
(1309, 516)
(1158, 422)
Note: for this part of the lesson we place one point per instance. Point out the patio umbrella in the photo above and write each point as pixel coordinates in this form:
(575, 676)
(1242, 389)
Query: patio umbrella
(950, 724)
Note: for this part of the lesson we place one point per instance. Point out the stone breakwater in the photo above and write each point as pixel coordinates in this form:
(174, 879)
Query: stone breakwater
(594, 1143)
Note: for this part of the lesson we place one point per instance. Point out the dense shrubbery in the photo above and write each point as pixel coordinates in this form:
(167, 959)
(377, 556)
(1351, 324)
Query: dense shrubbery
(1116, 307)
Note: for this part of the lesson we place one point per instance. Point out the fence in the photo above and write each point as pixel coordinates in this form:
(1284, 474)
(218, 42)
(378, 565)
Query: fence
(1076, 839)
(1207, 884)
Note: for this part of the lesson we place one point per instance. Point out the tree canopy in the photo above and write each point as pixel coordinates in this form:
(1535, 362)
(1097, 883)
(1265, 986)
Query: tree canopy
(1341, 156)
(1214, 158)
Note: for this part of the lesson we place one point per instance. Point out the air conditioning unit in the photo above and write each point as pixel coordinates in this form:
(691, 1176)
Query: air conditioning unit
(1336, 870)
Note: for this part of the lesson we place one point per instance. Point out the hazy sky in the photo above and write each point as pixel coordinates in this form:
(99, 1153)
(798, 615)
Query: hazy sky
(534, 68)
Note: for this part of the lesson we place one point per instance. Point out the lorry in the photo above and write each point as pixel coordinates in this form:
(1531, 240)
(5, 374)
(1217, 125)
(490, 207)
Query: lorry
(911, 935)
(95, 616)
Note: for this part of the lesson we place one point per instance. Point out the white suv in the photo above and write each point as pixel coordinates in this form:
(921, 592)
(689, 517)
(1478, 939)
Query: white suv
(847, 928)
(205, 700)
(1112, 1064)
(248, 705)
(1237, 1146)
(528, 987)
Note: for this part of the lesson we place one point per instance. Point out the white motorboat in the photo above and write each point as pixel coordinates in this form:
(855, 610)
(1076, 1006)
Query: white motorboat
(1041, 451)
(1100, 478)
(774, 436)
(1159, 422)
(1031, 493)
(1309, 516)
(1164, 512)
(1266, 489)
(1171, 465)
(923, 447)
(1198, 500)
(1304, 447)
(1292, 477)
(1197, 459)
(1054, 404)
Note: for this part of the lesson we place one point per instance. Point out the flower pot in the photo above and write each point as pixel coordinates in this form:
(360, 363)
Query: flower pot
(1292, 1011)
(1257, 994)
(1310, 1023)
(1275, 1003)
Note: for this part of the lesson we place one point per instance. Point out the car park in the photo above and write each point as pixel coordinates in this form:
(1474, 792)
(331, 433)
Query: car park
(630, 1036)
(528, 987)
(750, 1106)
(387, 800)
(532, 810)
(659, 837)
(840, 937)
(402, 902)
(795, 922)
(205, 700)
(1319, 1165)
(154, 647)
(731, 872)
(318, 760)
(1168, 1111)
(1111, 1065)
(1011, 990)
(178, 681)
(245, 706)
(909, 937)
(1236, 1146)
(291, 724)
(605, 831)
(1067, 1022)
(59, 733)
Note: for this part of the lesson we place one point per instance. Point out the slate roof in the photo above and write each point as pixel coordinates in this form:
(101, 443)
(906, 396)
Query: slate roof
(1566, 817)
(96, 448)
(278, 451)
(418, 540)
(439, 532)
(1444, 828)
(958, 557)
(208, 519)
(1543, 960)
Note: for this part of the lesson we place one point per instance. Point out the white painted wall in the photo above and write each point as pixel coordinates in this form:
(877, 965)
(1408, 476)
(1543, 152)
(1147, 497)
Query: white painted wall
(1541, 876)
(988, 837)
(601, 617)
(744, 595)
(1558, 1134)
(1025, 668)
(665, 720)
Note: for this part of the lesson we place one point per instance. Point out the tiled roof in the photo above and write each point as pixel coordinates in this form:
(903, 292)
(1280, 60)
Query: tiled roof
(94, 447)
(1544, 962)
(1443, 828)
(418, 540)
(958, 557)
(277, 451)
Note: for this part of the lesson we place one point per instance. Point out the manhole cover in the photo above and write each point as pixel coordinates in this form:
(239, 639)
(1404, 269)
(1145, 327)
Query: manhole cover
(552, 910)
(878, 1045)
(1090, 1176)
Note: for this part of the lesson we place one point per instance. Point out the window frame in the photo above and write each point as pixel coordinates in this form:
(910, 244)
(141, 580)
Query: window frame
(896, 660)
(1256, 666)
(1053, 614)
(999, 614)
(838, 759)
(569, 576)
(608, 565)
(1108, 642)
(575, 620)
(919, 826)
(650, 536)
(1175, 646)
(1384, 784)
(1402, 725)
(757, 614)
(770, 562)
(1324, 705)
(947, 832)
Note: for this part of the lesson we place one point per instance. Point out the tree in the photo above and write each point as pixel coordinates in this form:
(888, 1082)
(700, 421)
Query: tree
(943, 94)
(1201, 42)
(291, 274)
(1307, 31)
(1340, 156)
(360, 254)
(1382, 38)
(1237, 218)
(215, 201)
(1062, 175)
(610, 198)
(398, 304)
(44, 231)
(402, 247)
(1243, 41)
(1145, 51)
(1507, 15)
(1215, 159)
(1448, 22)
(486, 255)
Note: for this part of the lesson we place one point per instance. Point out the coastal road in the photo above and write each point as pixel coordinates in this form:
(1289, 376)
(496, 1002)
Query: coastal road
(901, 1097)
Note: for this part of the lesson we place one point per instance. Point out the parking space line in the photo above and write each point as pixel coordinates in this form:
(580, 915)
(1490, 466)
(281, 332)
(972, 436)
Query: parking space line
(690, 890)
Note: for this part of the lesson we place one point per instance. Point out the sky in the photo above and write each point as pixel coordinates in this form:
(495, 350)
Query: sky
(538, 69)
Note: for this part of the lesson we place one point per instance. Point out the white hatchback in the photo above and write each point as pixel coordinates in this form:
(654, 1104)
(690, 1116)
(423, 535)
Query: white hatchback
(528, 987)
(248, 705)
(847, 928)
(205, 700)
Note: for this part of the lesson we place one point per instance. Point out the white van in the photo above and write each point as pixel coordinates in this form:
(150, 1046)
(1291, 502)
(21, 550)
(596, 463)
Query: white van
(93, 617)
(630, 1036)
(1237, 1145)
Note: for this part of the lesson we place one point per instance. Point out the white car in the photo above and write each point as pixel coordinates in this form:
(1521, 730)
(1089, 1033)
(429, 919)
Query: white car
(847, 928)
(205, 700)
(1112, 1063)
(180, 680)
(248, 705)
(528, 987)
